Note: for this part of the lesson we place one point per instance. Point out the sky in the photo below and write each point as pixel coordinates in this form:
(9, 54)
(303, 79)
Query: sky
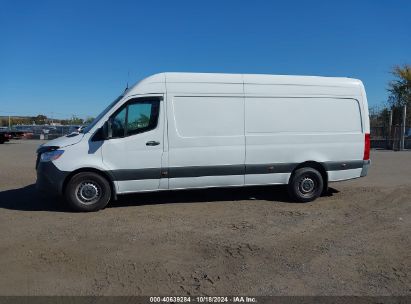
(67, 57)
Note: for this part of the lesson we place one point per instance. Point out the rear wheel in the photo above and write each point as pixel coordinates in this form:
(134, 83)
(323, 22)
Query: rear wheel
(87, 191)
(306, 184)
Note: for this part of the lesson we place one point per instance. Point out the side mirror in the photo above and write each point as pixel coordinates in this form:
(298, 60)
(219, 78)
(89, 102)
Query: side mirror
(103, 133)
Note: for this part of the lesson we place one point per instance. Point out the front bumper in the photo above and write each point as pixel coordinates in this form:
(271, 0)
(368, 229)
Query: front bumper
(365, 166)
(49, 178)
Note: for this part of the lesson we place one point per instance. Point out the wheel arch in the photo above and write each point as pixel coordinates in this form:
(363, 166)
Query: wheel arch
(315, 165)
(104, 174)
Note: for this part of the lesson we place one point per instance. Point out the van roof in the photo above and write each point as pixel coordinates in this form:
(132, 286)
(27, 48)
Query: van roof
(176, 77)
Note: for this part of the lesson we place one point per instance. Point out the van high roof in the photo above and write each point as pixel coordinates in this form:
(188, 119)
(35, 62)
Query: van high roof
(175, 77)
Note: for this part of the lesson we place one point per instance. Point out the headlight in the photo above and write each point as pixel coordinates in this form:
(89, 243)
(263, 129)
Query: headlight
(51, 155)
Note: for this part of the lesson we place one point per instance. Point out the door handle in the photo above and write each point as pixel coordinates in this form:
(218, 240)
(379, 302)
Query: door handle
(152, 143)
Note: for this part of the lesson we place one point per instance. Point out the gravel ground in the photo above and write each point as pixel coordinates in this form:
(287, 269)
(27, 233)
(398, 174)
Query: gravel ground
(354, 241)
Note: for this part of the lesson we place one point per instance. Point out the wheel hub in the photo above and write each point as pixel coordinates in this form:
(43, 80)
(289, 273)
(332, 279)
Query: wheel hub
(307, 185)
(88, 192)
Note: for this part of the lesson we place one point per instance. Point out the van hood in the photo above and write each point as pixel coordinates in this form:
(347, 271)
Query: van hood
(65, 141)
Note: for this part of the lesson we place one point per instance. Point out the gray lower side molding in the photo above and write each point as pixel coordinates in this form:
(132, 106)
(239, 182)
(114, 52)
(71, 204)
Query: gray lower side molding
(197, 171)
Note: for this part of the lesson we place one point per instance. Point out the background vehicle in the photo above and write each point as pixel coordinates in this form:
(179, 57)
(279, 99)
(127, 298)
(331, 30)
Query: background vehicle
(6, 134)
(181, 130)
(14, 134)
(4, 137)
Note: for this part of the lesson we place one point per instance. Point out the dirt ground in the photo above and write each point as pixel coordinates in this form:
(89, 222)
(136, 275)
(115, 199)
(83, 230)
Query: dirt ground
(355, 241)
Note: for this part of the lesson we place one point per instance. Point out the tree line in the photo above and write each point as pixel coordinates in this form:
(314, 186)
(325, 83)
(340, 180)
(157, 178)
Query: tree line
(43, 120)
(399, 90)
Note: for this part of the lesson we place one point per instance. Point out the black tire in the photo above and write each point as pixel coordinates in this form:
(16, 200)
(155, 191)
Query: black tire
(306, 184)
(87, 191)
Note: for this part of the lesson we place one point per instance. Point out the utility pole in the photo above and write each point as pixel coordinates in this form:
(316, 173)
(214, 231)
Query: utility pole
(404, 115)
(9, 123)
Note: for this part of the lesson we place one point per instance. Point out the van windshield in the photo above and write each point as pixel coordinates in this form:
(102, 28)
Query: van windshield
(93, 123)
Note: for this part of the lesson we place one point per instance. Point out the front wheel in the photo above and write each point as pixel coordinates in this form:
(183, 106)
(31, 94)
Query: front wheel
(306, 184)
(87, 191)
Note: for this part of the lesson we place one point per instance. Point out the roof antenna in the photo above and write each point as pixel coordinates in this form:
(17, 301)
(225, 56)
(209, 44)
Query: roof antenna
(128, 77)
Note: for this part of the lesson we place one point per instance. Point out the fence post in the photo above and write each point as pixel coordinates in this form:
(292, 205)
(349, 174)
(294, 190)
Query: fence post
(390, 137)
(404, 115)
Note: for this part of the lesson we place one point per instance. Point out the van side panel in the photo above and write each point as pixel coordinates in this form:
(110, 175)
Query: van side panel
(206, 140)
(282, 132)
(311, 115)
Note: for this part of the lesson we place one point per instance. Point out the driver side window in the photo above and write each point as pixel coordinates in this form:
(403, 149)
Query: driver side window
(137, 116)
(118, 123)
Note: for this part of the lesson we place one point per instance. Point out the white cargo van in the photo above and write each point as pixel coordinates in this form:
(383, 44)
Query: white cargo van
(186, 130)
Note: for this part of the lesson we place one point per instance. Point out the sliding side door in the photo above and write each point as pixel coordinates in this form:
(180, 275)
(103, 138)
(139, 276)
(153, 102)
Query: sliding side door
(206, 141)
